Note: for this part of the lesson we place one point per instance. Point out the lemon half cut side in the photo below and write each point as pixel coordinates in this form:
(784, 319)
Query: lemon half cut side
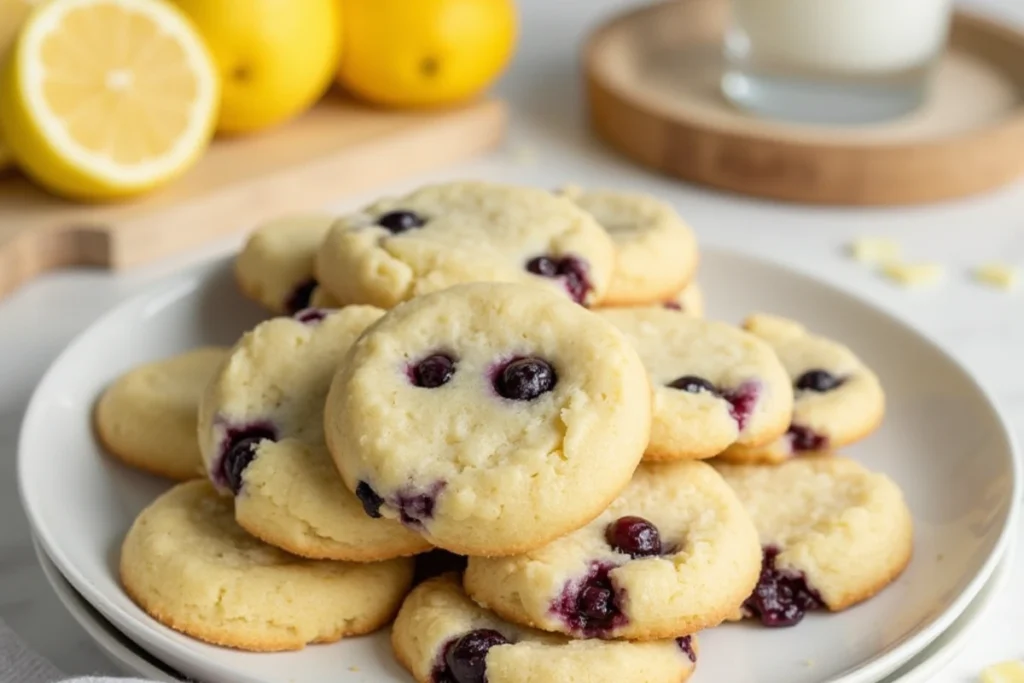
(107, 98)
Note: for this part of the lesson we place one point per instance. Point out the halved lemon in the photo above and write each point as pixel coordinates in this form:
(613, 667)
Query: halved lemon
(102, 99)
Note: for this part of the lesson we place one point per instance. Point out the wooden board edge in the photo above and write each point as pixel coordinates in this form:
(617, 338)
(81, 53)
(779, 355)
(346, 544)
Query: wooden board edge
(468, 133)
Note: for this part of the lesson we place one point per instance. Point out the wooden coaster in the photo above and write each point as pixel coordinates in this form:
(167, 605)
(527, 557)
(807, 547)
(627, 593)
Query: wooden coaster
(653, 89)
(337, 149)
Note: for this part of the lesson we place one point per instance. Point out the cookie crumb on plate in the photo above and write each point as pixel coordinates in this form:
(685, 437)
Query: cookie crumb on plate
(998, 275)
(875, 250)
(914, 274)
(1003, 672)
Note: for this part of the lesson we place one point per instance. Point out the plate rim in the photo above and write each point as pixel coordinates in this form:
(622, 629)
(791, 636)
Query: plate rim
(103, 634)
(868, 671)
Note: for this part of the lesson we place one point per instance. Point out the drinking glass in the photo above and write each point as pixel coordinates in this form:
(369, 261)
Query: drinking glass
(833, 61)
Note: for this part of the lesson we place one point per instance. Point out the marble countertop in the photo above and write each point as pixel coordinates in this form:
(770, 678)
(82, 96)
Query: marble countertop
(549, 145)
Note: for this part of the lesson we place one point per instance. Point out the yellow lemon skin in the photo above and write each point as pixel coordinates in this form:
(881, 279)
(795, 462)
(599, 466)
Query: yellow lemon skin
(276, 58)
(12, 15)
(425, 53)
(48, 165)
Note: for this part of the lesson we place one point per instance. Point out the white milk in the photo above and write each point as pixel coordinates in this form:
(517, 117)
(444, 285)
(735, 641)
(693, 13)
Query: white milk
(850, 36)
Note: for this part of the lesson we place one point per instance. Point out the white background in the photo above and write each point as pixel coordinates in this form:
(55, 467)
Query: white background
(983, 327)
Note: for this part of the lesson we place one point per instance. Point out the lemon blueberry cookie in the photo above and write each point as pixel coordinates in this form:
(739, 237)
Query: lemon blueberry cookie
(837, 398)
(714, 384)
(674, 554)
(275, 267)
(441, 636)
(490, 417)
(147, 417)
(655, 251)
(442, 235)
(262, 439)
(191, 567)
(833, 534)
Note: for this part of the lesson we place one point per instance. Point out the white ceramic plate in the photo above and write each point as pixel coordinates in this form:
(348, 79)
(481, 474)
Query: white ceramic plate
(132, 659)
(943, 441)
(129, 657)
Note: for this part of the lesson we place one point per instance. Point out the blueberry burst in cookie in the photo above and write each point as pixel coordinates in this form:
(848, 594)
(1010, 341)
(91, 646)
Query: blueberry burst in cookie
(837, 399)
(441, 636)
(834, 534)
(674, 554)
(715, 385)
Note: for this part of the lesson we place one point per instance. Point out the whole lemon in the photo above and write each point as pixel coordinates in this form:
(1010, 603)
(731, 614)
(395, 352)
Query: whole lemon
(419, 53)
(275, 57)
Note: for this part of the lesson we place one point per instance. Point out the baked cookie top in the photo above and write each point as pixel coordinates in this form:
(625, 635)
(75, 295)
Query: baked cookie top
(147, 417)
(833, 533)
(490, 417)
(655, 250)
(837, 398)
(403, 247)
(441, 636)
(675, 553)
(714, 384)
(187, 564)
(262, 439)
(275, 267)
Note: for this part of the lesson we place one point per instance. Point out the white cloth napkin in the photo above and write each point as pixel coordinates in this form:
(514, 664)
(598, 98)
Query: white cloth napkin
(20, 664)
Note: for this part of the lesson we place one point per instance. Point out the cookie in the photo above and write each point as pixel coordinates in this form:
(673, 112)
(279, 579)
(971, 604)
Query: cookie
(837, 398)
(655, 251)
(833, 534)
(190, 567)
(490, 417)
(147, 417)
(442, 235)
(689, 301)
(441, 636)
(275, 267)
(261, 435)
(714, 384)
(674, 554)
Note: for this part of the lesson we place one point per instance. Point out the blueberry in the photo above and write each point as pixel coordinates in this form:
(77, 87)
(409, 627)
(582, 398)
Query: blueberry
(693, 385)
(370, 500)
(780, 598)
(742, 401)
(804, 439)
(525, 379)
(466, 658)
(401, 221)
(686, 645)
(590, 606)
(573, 272)
(239, 451)
(433, 371)
(634, 536)
(543, 266)
(300, 296)
(817, 380)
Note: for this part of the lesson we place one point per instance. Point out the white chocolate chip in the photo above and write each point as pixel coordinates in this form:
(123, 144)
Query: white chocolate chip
(1003, 672)
(875, 250)
(997, 275)
(914, 274)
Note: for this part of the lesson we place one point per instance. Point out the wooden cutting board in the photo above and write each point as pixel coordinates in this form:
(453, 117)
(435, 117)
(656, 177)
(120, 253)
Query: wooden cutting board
(339, 148)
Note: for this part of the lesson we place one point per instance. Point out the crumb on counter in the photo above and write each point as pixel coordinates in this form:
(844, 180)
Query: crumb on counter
(354, 669)
(879, 250)
(1003, 672)
(997, 275)
(914, 274)
(808, 663)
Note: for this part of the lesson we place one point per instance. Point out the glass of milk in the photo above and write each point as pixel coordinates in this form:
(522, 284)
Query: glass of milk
(833, 61)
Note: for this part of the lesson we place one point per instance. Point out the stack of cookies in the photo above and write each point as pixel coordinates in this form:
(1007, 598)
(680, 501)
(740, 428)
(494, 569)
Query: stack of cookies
(514, 392)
